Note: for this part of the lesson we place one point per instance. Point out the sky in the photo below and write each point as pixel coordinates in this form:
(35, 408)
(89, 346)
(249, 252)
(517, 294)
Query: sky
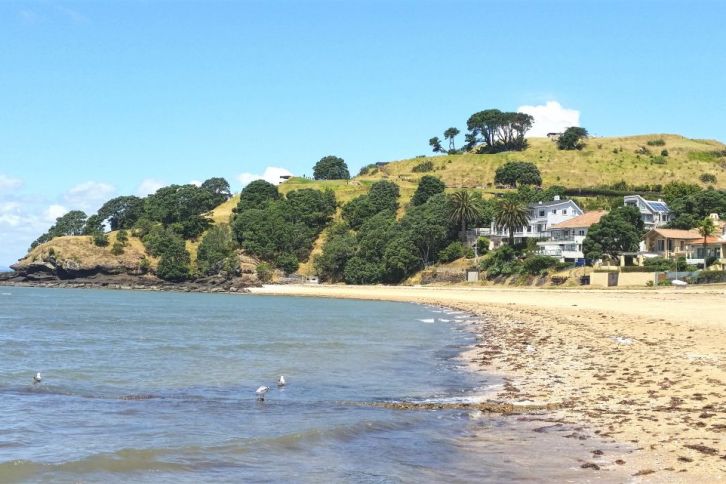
(107, 98)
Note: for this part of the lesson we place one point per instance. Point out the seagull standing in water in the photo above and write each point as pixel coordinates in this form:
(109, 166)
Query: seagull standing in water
(281, 381)
(261, 393)
(37, 378)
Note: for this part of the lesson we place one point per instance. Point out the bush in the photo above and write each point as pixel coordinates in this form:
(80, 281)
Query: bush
(482, 245)
(538, 264)
(664, 153)
(175, 260)
(707, 178)
(515, 173)
(658, 160)
(423, 167)
(453, 251)
(100, 239)
(656, 142)
(216, 253)
(122, 237)
(144, 265)
(658, 264)
(117, 248)
(368, 170)
(501, 262)
(706, 277)
(264, 272)
(288, 263)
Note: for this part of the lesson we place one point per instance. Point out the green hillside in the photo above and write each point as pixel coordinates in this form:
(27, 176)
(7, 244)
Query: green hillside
(603, 161)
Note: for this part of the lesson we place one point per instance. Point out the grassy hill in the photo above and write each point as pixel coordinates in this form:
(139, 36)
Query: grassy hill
(604, 161)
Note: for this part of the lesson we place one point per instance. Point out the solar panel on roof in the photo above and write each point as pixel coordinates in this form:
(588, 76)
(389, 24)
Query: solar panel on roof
(659, 206)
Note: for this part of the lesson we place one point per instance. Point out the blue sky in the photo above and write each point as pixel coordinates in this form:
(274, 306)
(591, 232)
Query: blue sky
(105, 98)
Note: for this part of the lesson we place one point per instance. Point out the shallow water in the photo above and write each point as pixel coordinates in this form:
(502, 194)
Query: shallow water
(150, 387)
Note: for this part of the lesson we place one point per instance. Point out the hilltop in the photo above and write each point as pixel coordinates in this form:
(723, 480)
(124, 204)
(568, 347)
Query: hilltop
(603, 162)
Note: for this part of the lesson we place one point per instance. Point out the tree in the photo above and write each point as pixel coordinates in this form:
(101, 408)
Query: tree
(450, 134)
(183, 207)
(331, 168)
(511, 215)
(257, 194)
(121, 212)
(216, 252)
(174, 261)
(617, 232)
(435, 144)
(339, 247)
(429, 227)
(383, 196)
(707, 229)
(464, 210)
(428, 186)
(514, 173)
(498, 131)
(572, 138)
(219, 188)
(400, 259)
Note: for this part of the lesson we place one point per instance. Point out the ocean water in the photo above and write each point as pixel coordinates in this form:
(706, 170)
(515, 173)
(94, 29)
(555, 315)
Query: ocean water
(160, 387)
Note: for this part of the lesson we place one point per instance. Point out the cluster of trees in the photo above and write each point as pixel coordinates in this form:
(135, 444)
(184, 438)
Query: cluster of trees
(370, 245)
(690, 204)
(618, 231)
(281, 229)
(490, 131)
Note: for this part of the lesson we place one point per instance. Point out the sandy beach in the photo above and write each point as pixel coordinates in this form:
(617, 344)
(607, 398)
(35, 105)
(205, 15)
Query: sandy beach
(642, 368)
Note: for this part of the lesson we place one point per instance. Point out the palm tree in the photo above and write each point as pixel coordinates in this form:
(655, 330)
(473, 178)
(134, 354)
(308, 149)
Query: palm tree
(464, 210)
(511, 215)
(706, 228)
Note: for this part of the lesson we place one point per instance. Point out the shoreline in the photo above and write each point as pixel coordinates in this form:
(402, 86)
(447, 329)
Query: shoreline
(638, 368)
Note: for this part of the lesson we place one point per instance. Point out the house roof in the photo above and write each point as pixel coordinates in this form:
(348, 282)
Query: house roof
(676, 234)
(551, 203)
(654, 205)
(709, 240)
(584, 220)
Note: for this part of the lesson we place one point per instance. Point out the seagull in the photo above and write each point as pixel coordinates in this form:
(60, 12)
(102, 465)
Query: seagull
(37, 378)
(261, 392)
(281, 381)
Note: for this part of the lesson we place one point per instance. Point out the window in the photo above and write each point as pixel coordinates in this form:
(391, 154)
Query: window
(541, 213)
(581, 232)
(540, 228)
(554, 211)
(660, 245)
(564, 211)
(529, 229)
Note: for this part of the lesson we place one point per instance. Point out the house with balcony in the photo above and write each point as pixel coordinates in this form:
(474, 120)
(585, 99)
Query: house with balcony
(653, 213)
(699, 251)
(565, 240)
(542, 217)
(668, 243)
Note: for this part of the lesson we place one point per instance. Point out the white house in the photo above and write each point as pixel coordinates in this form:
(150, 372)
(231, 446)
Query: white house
(653, 213)
(542, 216)
(565, 241)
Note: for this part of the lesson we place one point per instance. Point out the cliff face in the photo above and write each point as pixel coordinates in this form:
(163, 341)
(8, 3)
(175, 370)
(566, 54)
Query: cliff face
(74, 261)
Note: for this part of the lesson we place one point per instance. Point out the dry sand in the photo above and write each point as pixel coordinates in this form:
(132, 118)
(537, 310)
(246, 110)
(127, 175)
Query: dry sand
(646, 368)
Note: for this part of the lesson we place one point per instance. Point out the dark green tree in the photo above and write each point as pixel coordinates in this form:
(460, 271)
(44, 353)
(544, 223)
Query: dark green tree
(219, 189)
(339, 247)
(572, 138)
(400, 259)
(464, 210)
(331, 168)
(72, 223)
(435, 144)
(216, 253)
(429, 227)
(428, 186)
(174, 261)
(450, 134)
(513, 173)
(257, 194)
(617, 232)
(121, 212)
(498, 131)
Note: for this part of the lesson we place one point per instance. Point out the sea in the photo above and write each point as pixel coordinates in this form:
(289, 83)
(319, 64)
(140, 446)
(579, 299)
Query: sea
(160, 387)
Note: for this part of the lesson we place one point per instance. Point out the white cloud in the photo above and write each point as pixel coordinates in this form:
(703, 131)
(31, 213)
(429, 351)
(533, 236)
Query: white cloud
(89, 196)
(148, 186)
(196, 183)
(550, 117)
(271, 174)
(9, 183)
(53, 212)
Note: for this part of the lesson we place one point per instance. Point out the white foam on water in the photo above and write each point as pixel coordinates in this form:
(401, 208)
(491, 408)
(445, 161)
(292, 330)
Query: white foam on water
(444, 320)
(6, 294)
(430, 320)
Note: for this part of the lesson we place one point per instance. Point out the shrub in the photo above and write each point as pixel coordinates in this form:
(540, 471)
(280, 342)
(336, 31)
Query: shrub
(368, 170)
(144, 265)
(658, 160)
(658, 264)
(216, 253)
(538, 264)
(100, 239)
(174, 262)
(264, 272)
(710, 260)
(423, 167)
(122, 237)
(453, 251)
(707, 178)
(482, 245)
(117, 248)
(656, 142)
(664, 153)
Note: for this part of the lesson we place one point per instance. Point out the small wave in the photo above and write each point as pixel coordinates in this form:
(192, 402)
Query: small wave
(429, 320)
(444, 320)
(6, 294)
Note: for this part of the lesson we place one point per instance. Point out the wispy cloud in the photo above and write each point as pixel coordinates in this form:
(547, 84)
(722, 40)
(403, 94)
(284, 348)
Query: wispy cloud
(8, 183)
(88, 196)
(148, 186)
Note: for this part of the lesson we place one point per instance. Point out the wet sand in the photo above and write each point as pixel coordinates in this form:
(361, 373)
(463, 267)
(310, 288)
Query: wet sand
(638, 368)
